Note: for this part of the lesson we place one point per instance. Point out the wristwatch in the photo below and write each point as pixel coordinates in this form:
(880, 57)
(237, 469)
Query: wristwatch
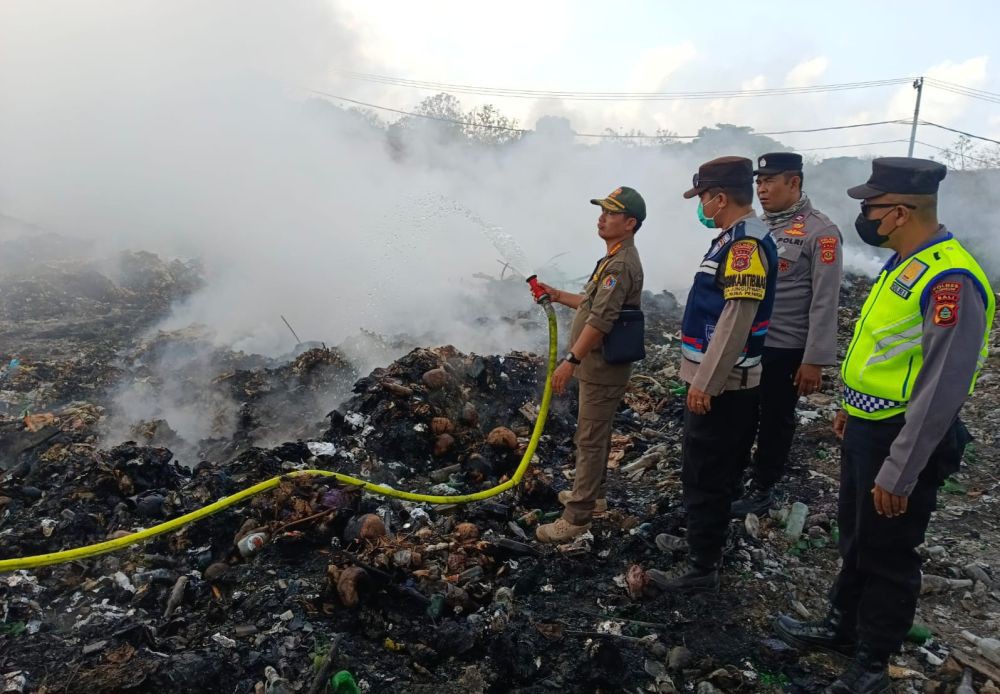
(571, 358)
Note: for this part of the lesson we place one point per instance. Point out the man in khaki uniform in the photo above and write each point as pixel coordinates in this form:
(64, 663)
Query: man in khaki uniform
(616, 282)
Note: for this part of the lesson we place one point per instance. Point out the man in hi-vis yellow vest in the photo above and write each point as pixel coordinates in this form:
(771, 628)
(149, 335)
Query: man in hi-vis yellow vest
(918, 347)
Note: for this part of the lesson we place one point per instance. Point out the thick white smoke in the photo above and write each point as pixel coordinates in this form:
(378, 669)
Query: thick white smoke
(186, 128)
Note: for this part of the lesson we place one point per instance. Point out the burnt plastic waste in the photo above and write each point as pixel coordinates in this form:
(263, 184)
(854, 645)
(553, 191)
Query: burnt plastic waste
(929, 583)
(436, 605)
(276, 684)
(989, 648)
(514, 547)
(252, 543)
(530, 518)
(965, 687)
(165, 576)
(796, 520)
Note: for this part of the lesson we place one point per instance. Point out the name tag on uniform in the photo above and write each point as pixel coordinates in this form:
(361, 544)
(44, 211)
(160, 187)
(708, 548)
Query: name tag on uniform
(911, 274)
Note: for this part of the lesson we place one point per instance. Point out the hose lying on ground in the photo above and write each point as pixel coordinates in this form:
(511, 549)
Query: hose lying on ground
(176, 523)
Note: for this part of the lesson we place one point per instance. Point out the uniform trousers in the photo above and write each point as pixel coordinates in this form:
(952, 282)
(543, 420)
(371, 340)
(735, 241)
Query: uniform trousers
(879, 580)
(715, 452)
(598, 404)
(776, 425)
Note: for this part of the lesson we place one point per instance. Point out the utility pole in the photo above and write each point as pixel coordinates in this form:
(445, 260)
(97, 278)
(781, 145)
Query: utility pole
(918, 84)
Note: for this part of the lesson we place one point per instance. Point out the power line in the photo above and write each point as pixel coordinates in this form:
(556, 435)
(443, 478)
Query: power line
(417, 115)
(576, 95)
(957, 154)
(960, 86)
(987, 99)
(960, 132)
(614, 96)
(613, 136)
(859, 144)
(993, 97)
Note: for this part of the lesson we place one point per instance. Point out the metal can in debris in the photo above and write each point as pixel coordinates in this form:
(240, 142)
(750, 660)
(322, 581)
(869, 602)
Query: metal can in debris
(252, 543)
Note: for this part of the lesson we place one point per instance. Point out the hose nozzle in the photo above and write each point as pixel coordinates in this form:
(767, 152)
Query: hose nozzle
(541, 296)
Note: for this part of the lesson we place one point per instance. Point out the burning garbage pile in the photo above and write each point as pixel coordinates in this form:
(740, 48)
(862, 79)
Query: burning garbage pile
(315, 586)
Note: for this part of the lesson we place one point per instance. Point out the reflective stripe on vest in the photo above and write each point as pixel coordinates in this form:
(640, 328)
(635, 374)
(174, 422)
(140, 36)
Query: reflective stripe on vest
(886, 352)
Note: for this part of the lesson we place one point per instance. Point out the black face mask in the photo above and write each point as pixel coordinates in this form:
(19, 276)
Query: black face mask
(868, 229)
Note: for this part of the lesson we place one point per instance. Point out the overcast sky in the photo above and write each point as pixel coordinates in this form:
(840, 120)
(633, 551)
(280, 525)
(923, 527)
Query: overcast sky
(654, 45)
(577, 45)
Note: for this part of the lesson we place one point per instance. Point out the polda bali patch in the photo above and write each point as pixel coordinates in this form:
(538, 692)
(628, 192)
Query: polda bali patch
(740, 255)
(828, 249)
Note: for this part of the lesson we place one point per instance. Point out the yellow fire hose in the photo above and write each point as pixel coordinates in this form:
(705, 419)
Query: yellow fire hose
(175, 523)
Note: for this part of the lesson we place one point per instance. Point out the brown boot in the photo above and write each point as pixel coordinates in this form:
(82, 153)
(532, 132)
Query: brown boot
(600, 506)
(560, 531)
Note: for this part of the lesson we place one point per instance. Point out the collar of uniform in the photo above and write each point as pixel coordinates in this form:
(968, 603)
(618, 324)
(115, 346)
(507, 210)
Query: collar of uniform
(745, 217)
(942, 234)
(800, 209)
(628, 242)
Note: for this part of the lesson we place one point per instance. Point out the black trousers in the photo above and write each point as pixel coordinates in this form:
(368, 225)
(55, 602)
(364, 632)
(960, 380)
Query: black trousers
(879, 582)
(715, 452)
(776, 425)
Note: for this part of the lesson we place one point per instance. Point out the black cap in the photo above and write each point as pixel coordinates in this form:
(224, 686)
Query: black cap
(724, 172)
(902, 175)
(623, 199)
(778, 162)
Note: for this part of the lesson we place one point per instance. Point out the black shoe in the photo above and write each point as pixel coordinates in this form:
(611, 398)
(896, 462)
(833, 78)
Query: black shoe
(828, 634)
(756, 501)
(696, 579)
(868, 673)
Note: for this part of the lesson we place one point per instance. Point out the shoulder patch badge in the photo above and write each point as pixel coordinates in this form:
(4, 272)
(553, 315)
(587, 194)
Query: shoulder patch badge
(744, 276)
(828, 249)
(609, 282)
(740, 255)
(946, 295)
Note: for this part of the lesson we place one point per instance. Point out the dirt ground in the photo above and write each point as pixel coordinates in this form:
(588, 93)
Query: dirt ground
(406, 597)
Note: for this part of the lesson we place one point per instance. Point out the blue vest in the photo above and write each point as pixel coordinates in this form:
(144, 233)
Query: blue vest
(706, 301)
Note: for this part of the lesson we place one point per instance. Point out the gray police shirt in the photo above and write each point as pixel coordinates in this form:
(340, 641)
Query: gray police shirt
(810, 268)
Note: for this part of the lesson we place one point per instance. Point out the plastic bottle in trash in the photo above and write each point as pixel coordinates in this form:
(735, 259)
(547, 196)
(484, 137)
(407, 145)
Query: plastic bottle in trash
(343, 683)
(966, 686)
(988, 648)
(252, 543)
(918, 634)
(276, 684)
(796, 520)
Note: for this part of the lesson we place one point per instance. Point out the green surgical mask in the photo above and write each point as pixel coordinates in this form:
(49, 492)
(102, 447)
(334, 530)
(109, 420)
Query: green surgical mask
(707, 221)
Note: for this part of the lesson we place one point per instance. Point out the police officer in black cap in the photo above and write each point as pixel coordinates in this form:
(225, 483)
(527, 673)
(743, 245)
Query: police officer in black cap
(723, 331)
(802, 337)
(918, 346)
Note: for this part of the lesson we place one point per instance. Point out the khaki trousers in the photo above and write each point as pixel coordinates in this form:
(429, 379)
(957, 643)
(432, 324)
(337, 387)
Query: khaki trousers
(598, 404)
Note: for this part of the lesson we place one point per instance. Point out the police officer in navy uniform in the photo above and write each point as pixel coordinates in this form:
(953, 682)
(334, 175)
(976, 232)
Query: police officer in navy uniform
(723, 331)
(802, 337)
(918, 346)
